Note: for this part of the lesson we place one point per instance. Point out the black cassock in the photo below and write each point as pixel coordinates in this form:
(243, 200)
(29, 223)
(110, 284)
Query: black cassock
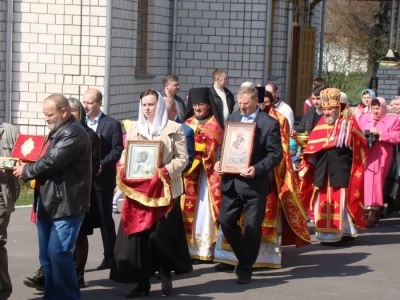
(336, 164)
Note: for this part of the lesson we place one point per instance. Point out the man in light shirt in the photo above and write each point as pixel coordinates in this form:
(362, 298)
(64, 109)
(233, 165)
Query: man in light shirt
(222, 96)
(280, 105)
(111, 147)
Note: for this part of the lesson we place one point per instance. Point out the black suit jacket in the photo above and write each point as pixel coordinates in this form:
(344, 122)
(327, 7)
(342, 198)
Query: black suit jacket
(111, 147)
(267, 154)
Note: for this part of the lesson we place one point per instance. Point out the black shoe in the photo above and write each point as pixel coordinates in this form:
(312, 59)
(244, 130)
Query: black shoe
(166, 283)
(37, 281)
(348, 239)
(243, 280)
(80, 274)
(137, 291)
(222, 267)
(196, 262)
(5, 294)
(105, 264)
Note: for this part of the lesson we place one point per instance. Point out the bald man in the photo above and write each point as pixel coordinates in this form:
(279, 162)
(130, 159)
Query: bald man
(189, 133)
(110, 133)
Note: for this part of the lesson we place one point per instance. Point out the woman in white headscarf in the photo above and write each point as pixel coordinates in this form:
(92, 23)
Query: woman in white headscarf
(151, 235)
(364, 106)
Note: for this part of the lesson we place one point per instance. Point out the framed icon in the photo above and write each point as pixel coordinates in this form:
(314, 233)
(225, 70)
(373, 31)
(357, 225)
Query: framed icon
(237, 147)
(142, 158)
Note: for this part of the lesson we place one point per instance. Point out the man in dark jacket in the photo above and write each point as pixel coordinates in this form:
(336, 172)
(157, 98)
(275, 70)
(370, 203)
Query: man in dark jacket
(62, 195)
(246, 192)
(110, 133)
(223, 98)
(313, 114)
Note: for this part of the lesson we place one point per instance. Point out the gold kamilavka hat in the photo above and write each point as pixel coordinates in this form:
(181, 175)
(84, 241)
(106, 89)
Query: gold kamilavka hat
(330, 98)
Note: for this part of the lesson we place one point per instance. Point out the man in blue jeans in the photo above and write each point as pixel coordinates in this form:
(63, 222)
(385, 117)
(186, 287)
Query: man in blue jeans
(62, 192)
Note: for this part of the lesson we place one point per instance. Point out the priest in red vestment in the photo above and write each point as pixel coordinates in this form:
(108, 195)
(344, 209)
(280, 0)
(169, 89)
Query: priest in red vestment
(202, 199)
(333, 163)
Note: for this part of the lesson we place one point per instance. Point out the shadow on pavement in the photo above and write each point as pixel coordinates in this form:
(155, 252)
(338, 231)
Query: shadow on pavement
(111, 290)
(314, 261)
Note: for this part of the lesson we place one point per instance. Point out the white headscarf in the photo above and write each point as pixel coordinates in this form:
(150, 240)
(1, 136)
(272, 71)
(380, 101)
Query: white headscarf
(159, 122)
(344, 98)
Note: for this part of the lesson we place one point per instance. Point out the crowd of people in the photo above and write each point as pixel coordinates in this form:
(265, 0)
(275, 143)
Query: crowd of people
(189, 209)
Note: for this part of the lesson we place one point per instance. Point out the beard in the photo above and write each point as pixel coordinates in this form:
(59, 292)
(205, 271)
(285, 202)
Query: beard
(201, 117)
(53, 126)
(331, 119)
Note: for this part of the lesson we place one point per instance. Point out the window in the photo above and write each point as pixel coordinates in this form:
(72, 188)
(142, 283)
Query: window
(141, 42)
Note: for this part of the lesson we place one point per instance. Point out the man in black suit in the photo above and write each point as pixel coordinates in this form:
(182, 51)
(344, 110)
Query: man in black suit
(111, 147)
(189, 133)
(247, 191)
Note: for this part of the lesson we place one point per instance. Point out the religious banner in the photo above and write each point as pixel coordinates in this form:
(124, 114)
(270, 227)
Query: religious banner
(29, 147)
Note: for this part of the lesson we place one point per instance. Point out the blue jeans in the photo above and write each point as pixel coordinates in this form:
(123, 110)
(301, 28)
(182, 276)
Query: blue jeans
(56, 242)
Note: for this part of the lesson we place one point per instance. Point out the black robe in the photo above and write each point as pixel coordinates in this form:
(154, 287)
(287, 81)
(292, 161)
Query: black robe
(163, 246)
(336, 163)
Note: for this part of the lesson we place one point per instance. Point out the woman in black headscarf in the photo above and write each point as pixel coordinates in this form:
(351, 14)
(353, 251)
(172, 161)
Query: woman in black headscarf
(92, 218)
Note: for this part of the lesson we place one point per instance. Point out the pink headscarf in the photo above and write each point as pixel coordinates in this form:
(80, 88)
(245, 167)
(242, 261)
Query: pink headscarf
(382, 108)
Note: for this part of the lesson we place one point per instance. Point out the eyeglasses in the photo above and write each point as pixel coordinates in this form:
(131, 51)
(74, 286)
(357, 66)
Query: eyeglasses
(396, 98)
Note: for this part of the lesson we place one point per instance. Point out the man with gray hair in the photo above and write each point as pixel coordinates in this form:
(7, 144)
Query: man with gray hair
(171, 89)
(247, 192)
(62, 194)
(9, 193)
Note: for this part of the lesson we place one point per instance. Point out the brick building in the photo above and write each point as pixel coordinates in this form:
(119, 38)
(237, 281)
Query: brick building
(125, 46)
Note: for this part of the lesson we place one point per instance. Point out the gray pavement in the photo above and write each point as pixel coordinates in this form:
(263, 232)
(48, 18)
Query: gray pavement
(369, 269)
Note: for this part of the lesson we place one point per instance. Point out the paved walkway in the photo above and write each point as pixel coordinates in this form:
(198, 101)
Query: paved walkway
(369, 269)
